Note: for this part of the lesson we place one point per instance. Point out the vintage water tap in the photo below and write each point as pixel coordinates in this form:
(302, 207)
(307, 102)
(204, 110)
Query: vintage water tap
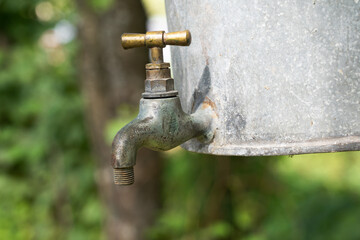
(161, 123)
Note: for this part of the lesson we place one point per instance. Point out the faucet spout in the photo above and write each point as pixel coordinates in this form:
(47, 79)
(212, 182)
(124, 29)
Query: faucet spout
(125, 145)
(160, 125)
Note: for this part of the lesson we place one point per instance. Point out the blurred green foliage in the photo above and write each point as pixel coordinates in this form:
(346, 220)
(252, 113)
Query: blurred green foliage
(18, 21)
(302, 197)
(47, 187)
(101, 5)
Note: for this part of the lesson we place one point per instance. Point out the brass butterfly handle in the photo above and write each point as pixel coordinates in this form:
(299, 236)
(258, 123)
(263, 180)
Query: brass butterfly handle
(155, 40)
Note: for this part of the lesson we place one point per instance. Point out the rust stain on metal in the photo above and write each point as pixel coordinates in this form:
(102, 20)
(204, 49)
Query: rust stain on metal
(209, 103)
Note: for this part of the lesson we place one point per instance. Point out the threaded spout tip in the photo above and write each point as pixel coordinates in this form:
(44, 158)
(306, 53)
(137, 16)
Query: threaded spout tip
(124, 176)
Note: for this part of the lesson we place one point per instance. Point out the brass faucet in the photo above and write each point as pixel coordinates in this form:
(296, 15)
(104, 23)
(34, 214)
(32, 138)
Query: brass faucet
(161, 123)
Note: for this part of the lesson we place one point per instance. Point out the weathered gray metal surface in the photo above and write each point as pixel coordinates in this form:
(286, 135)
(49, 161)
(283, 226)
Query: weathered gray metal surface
(160, 125)
(284, 75)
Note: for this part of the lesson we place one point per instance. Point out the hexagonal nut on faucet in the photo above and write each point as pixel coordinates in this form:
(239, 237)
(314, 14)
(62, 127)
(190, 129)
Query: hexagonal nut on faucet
(159, 85)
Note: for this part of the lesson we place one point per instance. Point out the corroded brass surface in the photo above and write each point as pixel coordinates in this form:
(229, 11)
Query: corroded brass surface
(158, 80)
(157, 66)
(132, 40)
(159, 85)
(124, 176)
(156, 55)
(158, 74)
(155, 39)
(181, 38)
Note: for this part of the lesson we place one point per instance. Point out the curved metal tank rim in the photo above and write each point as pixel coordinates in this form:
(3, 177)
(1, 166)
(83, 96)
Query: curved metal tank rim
(351, 143)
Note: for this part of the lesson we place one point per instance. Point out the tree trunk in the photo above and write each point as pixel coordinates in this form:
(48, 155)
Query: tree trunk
(111, 77)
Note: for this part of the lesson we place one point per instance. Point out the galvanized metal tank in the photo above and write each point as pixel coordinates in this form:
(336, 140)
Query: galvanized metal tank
(283, 75)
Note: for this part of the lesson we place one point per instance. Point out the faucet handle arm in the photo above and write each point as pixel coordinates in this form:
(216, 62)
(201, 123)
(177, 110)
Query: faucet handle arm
(157, 39)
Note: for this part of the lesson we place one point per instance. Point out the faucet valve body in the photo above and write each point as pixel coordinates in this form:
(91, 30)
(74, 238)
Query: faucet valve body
(158, 83)
(161, 123)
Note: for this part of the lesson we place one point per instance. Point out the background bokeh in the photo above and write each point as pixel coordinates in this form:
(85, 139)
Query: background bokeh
(48, 174)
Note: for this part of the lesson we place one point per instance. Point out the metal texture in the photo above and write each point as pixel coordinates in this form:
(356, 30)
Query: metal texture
(156, 54)
(155, 39)
(160, 125)
(124, 176)
(284, 76)
(158, 79)
(158, 83)
(153, 74)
